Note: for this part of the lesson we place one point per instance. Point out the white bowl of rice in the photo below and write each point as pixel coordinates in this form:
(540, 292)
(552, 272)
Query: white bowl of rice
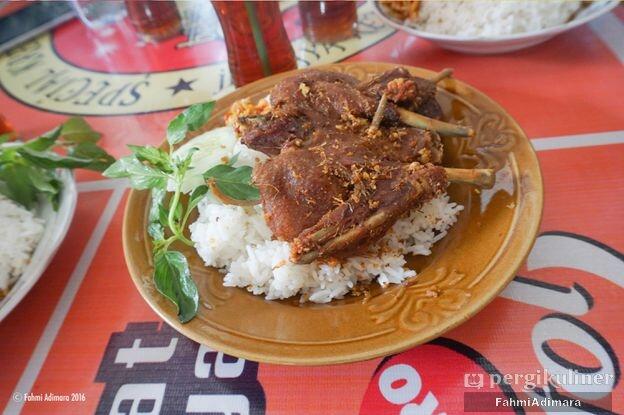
(29, 240)
(489, 27)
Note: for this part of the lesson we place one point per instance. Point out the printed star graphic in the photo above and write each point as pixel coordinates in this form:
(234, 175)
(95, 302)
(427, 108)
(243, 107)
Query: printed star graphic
(182, 85)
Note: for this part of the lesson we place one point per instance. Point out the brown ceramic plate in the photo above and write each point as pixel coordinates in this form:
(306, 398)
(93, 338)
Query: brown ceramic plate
(466, 270)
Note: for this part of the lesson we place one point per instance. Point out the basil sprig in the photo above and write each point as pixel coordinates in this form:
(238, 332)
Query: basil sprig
(233, 182)
(153, 168)
(28, 169)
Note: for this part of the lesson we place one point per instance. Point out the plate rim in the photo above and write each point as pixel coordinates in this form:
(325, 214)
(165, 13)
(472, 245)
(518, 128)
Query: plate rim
(518, 258)
(607, 6)
(34, 270)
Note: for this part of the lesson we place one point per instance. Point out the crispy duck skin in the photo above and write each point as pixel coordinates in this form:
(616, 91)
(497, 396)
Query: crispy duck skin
(345, 166)
(295, 191)
(300, 185)
(360, 221)
(271, 135)
(402, 88)
(326, 99)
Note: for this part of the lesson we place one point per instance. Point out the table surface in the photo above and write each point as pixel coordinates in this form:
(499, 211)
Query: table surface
(84, 334)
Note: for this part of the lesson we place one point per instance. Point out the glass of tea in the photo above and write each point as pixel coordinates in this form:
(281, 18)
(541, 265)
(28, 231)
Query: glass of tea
(154, 20)
(256, 40)
(328, 21)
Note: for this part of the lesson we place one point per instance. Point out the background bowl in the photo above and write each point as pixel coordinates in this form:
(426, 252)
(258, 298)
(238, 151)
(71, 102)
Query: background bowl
(465, 271)
(500, 44)
(56, 226)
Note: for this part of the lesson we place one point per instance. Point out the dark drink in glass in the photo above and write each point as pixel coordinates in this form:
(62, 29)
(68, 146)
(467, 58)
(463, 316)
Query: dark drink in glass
(256, 40)
(328, 21)
(154, 20)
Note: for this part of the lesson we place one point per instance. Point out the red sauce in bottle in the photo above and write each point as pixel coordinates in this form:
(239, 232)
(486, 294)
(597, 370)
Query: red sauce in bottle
(247, 50)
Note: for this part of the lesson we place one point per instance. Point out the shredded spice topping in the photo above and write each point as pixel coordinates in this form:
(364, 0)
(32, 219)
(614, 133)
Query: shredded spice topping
(348, 158)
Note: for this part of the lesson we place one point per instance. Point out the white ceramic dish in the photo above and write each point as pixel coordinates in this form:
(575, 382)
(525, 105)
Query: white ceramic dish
(56, 226)
(500, 44)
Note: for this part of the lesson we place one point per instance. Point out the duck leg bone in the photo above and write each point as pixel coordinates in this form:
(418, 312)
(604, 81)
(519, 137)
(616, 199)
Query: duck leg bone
(443, 128)
(419, 121)
(479, 177)
(378, 113)
(443, 74)
(329, 239)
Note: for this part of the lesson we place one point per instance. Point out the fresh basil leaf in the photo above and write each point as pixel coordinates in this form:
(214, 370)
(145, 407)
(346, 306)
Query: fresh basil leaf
(197, 195)
(76, 130)
(233, 182)
(42, 180)
(191, 119)
(18, 185)
(184, 164)
(43, 142)
(228, 173)
(198, 114)
(158, 197)
(172, 278)
(119, 168)
(51, 160)
(152, 155)
(100, 159)
(238, 191)
(156, 229)
(179, 211)
(4, 190)
(55, 198)
(176, 130)
(141, 176)
(8, 154)
(233, 160)
(162, 216)
(27, 169)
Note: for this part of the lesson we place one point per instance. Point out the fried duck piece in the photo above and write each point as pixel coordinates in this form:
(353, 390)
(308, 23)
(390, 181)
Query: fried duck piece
(316, 100)
(301, 186)
(296, 190)
(361, 221)
(339, 176)
(407, 91)
(330, 207)
(400, 143)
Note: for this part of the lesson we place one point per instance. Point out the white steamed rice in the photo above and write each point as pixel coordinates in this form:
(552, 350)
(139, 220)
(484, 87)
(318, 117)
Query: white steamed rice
(238, 240)
(492, 18)
(21, 232)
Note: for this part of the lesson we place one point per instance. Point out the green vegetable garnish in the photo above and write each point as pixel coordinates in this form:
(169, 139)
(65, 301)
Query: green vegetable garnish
(153, 168)
(234, 183)
(28, 169)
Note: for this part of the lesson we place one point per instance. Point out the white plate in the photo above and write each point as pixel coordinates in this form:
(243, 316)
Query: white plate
(56, 226)
(501, 44)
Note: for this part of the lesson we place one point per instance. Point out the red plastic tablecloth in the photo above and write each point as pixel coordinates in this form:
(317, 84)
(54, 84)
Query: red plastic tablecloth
(84, 333)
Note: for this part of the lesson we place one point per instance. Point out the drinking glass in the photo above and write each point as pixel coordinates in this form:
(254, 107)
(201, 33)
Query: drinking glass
(97, 14)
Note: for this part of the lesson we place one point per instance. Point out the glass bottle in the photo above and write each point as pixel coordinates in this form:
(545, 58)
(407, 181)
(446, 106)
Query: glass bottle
(255, 38)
